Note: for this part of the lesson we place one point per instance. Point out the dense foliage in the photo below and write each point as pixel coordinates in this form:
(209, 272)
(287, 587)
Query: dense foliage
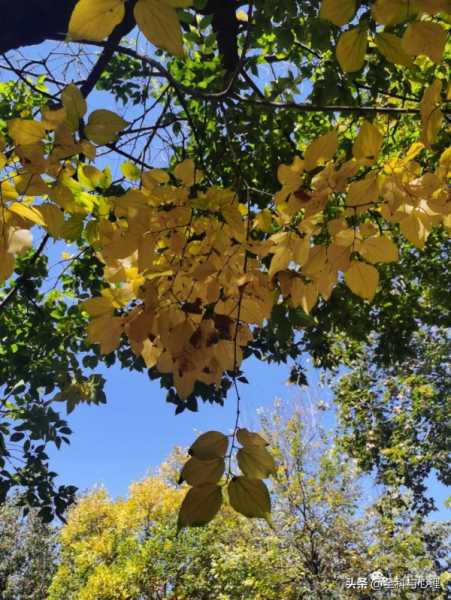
(273, 181)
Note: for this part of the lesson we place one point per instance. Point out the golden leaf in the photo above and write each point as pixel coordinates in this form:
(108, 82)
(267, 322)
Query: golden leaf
(159, 23)
(74, 105)
(200, 505)
(368, 142)
(103, 126)
(27, 212)
(249, 438)
(250, 497)
(94, 20)
(197, 472)
(425, 37)
(414, 230)
(338, 12)
(54, 219)
(24, 131)
(392, 12)
(321, 150)
(379, 249)
(212, 444)
(363, 192)
(391, 47)
(186, 172)
(362, 279)
(106, 331)
(256, 461)
(351, 49)
(431, 115)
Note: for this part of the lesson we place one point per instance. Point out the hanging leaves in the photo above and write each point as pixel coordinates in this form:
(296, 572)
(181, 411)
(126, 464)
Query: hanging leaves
(158, 21)
(74, 105)
(391, 47)
(212, 444)
(95, 19)
(200, 505)
(351, 49)
(197, 472)
(103, 126)
(368, 142)
(338, 12)
(249, 438)
(362, 279)
(250, 497)
(256, 461)
(427, 38)
(321, 150)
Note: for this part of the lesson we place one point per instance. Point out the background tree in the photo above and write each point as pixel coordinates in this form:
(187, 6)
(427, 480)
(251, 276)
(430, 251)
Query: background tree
(321, 534)
(28, 553)
(394, 419)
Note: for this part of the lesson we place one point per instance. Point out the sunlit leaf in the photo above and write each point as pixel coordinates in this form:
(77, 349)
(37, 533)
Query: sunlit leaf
(200, 505)
(95, 19)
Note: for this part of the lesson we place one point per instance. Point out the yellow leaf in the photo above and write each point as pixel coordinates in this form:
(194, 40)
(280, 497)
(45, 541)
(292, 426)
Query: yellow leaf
(368, 142)
(103, 126)
(19, 241)
(301, 250)
(130, 171)
(303, 294)
(362, 279)
(186, 172)
(94, 20)
(7, 264)
(380, 249)
(74, 105)
(97, 307)
(159, 23)
(150, 353)
(414, 230)
(291, 174)
(54, 219)
(390, 46)
(338, 12)
(106, 331)
(256, 461)
(321, 150)
(249, 438)
(363, 192)
(153, 178)
(392, 12)
(431, 7)
(242, 16)
(25, 132)
(27, 212)
(250, 497)
(197, 472)
(427, 38)
(431, 115)
(280, 259)
(200, 505)
(351, 49)
(212, 444)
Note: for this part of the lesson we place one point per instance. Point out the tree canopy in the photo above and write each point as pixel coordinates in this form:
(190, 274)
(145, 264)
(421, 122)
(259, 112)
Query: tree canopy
(272, 181)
